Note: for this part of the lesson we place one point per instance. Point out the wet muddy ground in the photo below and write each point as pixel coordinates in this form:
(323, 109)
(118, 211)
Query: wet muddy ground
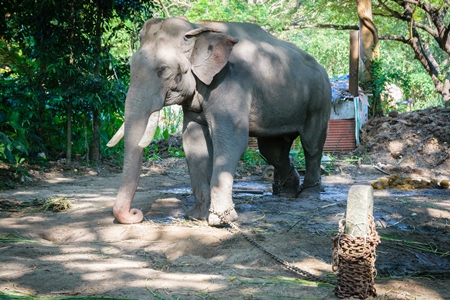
(82, 251)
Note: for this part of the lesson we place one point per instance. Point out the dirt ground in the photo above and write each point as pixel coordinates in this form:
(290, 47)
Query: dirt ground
(82, 251)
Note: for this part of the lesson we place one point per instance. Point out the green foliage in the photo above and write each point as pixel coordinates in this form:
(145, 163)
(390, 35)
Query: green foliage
(399, 65)
(252, 158)
(55, 70)
(176, 152)
(272, 15)
(13, 143)
(328, 47)
(64, 62)
(298, 157)
(239, 11)
(417, 86)
(172, 123)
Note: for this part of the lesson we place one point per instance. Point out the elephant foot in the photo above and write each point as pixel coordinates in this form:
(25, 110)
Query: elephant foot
(289, 187)
(311, 192)
(215, 220)
(196, 213)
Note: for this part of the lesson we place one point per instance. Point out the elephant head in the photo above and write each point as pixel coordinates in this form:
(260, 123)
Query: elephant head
(174, 56)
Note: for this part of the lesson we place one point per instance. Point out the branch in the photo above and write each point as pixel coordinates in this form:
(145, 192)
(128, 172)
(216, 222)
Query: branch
(407, 16)
(393, 13)
(432, 32)
(410, 2)
(164, 7)
(419, 52)
(398, 38)
(411, 22)
(323, 26)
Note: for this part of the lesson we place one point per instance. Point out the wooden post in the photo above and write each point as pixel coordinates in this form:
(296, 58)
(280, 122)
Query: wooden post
(359, 207)
(354, 63)
(354, 247)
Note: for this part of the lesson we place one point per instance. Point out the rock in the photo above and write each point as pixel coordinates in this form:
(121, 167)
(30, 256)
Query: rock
(393, 114)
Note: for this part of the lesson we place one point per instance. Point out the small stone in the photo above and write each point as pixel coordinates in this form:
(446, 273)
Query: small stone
(393, 114)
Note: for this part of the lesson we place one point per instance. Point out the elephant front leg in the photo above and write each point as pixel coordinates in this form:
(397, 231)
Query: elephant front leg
(222, 207)
(212, 165)
(198, 150)
(227, 153)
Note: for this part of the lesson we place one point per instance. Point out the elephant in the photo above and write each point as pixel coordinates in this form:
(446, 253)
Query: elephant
(233, 80)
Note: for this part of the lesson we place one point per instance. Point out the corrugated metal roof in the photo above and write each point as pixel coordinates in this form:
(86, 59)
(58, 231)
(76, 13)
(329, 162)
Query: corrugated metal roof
(341, 136)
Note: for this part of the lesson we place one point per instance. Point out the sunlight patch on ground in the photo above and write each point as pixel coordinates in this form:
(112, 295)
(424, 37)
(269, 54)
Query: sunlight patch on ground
(187, 280)
(13, 270)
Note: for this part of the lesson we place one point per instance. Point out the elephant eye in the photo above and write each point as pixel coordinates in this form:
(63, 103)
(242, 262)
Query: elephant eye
(162, 70)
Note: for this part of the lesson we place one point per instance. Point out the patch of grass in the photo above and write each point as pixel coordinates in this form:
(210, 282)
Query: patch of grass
(280, 280)
(14, 238)
(156, 294)
(426, 247)
(57, 204)
(176, 152)
(352, 160)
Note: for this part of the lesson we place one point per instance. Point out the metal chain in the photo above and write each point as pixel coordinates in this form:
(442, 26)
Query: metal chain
(279, 185)
(303, 187)
(287, 265)
(354, 260)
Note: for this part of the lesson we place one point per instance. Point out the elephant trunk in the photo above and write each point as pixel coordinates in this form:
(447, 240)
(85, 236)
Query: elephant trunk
(138, 132)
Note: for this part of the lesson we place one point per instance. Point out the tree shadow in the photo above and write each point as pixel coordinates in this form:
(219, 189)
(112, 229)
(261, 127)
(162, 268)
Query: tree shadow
(83, 252)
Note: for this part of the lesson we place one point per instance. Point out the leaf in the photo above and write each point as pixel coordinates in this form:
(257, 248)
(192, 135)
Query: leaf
(166, 134)
(4, 138)
(19, 146)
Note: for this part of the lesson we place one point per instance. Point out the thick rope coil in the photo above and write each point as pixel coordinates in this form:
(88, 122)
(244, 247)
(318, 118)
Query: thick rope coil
(354, 260)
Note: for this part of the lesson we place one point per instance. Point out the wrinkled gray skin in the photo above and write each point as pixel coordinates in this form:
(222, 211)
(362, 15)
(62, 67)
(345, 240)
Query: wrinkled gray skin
(233, 80)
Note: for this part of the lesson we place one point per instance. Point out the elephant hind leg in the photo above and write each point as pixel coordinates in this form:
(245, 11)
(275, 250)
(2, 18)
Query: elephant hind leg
(276, 151)
(312, 144)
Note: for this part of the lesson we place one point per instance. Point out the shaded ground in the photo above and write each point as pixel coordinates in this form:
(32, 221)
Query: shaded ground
(82, 251)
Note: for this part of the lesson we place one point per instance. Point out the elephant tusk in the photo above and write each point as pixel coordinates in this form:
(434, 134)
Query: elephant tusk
(117, 137)
(150, 130)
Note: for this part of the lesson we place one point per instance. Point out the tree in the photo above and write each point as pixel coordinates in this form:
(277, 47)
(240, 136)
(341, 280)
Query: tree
(63, 65)
(425, 29)
(422, 25)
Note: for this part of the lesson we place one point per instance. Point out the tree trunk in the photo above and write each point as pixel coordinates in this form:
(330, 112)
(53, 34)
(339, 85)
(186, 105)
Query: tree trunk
(69, 112)
(353, 87)
(95, 142)
(94, 151)
(369, 48)
(69, 132)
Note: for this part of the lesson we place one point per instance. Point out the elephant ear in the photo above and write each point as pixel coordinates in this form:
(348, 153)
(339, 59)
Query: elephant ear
(209, 53)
